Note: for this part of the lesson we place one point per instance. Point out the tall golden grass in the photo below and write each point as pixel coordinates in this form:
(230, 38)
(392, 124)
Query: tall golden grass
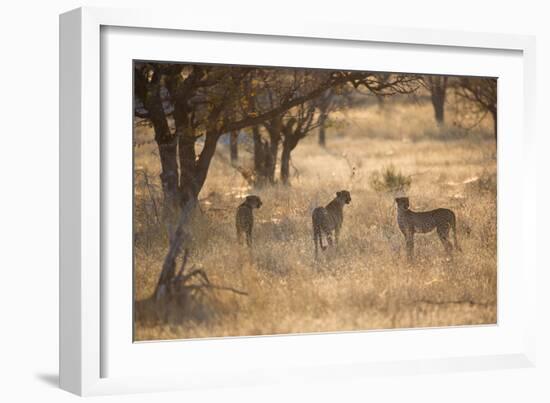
(365, 284)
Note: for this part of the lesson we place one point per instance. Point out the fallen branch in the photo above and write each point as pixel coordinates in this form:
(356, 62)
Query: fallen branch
(214, 287)
(179, 282)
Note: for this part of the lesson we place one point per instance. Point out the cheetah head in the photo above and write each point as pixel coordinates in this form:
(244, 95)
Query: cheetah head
(253, 201)
(344, 195)
(402, 203)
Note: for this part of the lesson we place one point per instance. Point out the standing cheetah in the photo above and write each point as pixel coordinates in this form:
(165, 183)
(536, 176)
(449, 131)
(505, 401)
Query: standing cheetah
(244, 219)
(411, 222)
(328, 219)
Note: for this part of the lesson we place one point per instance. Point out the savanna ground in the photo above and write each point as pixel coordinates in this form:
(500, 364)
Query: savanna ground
(365, 284)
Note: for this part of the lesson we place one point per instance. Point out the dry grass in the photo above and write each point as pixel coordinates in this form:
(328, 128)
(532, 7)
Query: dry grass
(367, 283)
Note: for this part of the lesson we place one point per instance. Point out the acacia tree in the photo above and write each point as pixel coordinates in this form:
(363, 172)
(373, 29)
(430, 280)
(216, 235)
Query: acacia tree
(199, 98)
(273, 88)
(264, 97)
(482, 93)
(280, 128)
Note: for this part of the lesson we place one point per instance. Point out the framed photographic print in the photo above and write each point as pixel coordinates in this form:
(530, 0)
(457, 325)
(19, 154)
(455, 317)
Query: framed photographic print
(241, 201)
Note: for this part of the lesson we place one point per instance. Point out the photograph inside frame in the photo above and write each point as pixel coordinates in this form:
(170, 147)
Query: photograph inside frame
(276, 200)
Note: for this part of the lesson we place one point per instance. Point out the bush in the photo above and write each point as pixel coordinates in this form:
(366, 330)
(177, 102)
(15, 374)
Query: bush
(390, 180)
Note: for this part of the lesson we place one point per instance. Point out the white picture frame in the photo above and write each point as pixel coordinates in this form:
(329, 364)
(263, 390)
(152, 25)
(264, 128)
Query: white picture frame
(85, 344)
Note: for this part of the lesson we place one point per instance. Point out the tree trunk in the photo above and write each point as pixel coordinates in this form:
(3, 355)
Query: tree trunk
(177, 239)
(438, 91)
(265, 156)
(193, 170)
(438, 102)
(285, 164)
(149, 94)
(271, 161)
(204, 160)
(187, 162)
(233, 146)
(322, 135)
(290, 142)
(167, 145)
(169, 171)
(260, 156)
(258, 150)
(274, 128)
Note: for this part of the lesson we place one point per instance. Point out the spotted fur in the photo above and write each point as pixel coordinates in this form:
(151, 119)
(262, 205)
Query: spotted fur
(329, 219)
(411, 222)
(244, 219)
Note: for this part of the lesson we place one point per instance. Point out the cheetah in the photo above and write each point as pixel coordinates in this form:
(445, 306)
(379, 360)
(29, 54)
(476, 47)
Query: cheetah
(411, 222)
(328, 219)
(244, 219)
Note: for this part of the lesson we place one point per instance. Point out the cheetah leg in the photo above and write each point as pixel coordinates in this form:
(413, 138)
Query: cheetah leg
(329, 239)
(239, 236)
(410, 246)
(443, 232)
(323, 247)
(317, 240)
(249, 238)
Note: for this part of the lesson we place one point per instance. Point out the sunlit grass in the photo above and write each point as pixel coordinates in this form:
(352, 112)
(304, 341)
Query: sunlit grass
(367, 283)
